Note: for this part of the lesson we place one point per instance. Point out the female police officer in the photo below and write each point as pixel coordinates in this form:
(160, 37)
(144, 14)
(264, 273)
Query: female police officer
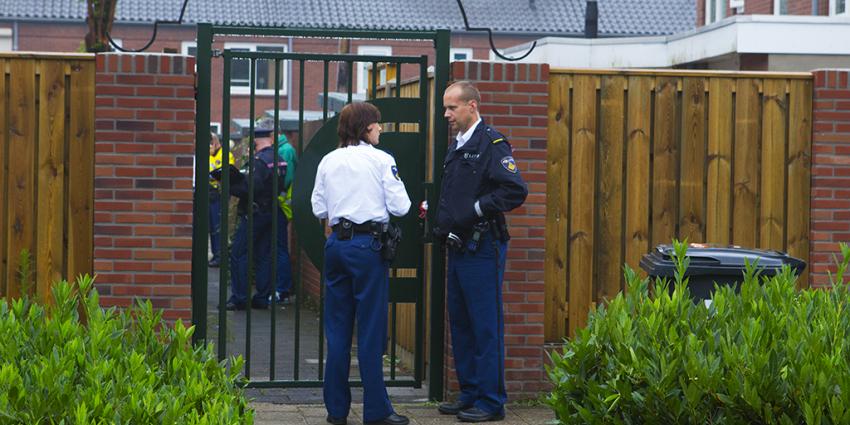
(357, 188)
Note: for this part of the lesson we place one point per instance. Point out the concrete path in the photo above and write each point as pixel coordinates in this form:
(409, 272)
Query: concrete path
(419, 414)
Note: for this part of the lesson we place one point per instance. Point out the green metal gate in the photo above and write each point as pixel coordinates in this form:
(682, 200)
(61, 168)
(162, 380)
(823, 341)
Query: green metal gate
(408, 278)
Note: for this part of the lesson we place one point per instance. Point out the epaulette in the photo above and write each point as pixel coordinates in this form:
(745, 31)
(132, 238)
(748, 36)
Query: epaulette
(495, 136)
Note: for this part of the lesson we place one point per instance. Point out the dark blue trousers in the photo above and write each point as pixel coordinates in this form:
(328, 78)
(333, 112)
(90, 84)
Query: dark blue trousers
(262, 261)
(474, 302)
(284, 266)
(357, 286)
(215, 224)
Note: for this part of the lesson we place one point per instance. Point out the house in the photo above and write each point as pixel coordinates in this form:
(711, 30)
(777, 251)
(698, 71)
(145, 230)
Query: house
(58, 25)
(745, 35)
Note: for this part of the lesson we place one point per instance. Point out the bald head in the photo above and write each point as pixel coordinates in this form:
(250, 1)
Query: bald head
(461, 101)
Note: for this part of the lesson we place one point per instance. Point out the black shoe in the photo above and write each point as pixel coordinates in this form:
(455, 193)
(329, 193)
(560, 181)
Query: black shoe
(453, 408)
(214, 263)
(259, 305)
(393, 419)
(231, 306)
(474, 414)
(337, 421)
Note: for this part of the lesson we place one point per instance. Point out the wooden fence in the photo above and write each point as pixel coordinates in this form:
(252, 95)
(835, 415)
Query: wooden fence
(637, 158)
(47, 172)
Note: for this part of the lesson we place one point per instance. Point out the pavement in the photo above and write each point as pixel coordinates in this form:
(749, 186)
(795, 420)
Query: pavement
(419, 414)
(300, 406)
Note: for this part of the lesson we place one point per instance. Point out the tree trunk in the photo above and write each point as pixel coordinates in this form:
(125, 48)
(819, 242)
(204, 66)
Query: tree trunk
(99, 17)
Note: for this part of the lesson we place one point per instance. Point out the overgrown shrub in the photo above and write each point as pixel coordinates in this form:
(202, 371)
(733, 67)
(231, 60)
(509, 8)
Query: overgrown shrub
(769, 355)
(73, 362)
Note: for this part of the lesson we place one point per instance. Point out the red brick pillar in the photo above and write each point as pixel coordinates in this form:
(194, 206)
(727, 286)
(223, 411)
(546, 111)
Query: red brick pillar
(514, 99)
(830, 213)
(144, 148)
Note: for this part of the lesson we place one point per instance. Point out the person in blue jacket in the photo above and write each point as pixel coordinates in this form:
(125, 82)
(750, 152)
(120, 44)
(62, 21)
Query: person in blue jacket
(481, 182)
(265, 169)
(357, 188)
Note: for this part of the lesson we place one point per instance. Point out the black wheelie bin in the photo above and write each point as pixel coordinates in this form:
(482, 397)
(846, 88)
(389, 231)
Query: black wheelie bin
(712, 263)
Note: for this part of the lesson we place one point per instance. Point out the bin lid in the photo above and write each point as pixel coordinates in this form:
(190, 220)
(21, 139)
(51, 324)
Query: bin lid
(720, 260)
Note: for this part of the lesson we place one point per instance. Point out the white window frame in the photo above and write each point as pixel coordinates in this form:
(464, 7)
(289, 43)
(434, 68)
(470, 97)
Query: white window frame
(720, 13)
(833, 4)
(777, 6)
(464, 50)
(217, 130)
(186, 45)
(252, 47)
(361, 68)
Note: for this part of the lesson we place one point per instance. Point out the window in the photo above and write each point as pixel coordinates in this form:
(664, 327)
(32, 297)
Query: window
(189, 48)
(215, 127)
(460, 54)
(362, 72)
(715, 10)
(263, 78)
(838, 8)
(780, 7)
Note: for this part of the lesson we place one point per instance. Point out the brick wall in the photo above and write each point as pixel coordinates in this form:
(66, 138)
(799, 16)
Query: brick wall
(144, 147)
(514, 99)
(830, 214)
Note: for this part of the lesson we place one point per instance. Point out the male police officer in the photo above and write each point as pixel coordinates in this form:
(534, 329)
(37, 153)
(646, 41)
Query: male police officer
(264, 203)
(480, 183)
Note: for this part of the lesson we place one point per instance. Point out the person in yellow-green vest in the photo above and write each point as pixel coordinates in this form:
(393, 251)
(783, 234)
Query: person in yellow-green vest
(286, 152)
(215, 200)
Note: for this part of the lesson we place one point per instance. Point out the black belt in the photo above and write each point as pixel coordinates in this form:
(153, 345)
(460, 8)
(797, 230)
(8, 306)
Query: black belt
(363, 228)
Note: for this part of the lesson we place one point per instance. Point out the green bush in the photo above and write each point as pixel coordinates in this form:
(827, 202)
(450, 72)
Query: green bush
(73, 362)
(769, 355)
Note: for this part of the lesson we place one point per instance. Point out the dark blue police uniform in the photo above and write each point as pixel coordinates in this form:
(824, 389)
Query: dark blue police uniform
(262, 209)
(483, 170)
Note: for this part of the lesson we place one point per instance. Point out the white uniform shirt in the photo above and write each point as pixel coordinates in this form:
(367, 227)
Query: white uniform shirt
(359, 183)
(462, 138)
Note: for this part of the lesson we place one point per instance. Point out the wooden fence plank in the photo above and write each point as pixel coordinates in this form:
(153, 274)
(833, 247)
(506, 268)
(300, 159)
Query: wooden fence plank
(21, 184)
(746, 164)
(692, 180)
(81, 177)
(719, 205)
(51, 176)
(637, 169)
(582, 178)
(557, 214)
(665, 161)
(772, 208)
(799, 172)
(609, 258)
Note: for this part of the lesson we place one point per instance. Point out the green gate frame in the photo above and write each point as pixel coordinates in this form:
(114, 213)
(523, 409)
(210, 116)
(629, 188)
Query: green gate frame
(206, 33)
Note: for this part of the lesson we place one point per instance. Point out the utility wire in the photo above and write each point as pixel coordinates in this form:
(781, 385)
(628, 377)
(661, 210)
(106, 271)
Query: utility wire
(153, 37)
(490, 35)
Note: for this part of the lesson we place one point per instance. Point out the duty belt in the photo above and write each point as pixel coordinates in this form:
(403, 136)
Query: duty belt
(345, 229)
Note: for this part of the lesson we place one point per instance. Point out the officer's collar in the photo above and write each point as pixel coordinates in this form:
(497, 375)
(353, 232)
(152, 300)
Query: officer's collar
(470, 131)
(472, 143)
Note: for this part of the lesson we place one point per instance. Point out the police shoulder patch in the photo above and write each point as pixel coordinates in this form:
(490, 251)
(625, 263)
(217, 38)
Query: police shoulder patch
(395, 172)
(509, 164)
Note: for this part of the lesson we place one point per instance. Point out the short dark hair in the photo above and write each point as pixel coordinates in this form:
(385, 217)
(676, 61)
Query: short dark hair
(354, 121)
(468, 91)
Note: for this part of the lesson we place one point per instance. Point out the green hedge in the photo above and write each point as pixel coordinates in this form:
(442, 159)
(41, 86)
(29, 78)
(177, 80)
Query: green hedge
(769, 355)
(76, 363)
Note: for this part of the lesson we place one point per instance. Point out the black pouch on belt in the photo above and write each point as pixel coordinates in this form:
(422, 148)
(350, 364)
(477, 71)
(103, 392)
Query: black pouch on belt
(391, 239)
